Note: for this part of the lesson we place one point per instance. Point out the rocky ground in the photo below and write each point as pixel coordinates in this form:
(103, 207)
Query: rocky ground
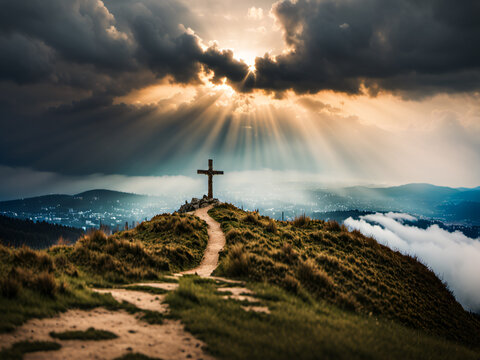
(197, 203)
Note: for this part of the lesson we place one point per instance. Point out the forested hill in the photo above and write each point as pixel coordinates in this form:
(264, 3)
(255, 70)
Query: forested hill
(18, 232)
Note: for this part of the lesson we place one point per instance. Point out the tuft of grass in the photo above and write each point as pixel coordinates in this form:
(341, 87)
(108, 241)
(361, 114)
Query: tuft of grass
(89, 334)
(238, 262)
(271, 226)
(148, 289)
(152, 317)
(136, 356)
(9, 287)
(252, 218)
(301, 220)
(17, 350)
(311, 275)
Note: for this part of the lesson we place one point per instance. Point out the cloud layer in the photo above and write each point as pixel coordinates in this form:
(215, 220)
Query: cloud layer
(404, 46)
(454, 257)
(341, 45)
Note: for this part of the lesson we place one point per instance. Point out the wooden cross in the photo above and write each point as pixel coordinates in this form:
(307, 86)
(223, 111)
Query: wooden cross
(210, 172)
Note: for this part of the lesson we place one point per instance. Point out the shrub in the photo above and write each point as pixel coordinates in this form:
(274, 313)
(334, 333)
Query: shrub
(9, 287)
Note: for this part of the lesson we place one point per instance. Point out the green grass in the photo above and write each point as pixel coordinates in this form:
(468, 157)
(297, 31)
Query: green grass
(17, 350)
(147, 289)
(323, 260)
(89, 334)
(299, 329)
(152, 317)
(41, 283)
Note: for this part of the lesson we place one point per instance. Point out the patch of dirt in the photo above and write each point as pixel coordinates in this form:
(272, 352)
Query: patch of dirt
(140, 299)
(167, 341)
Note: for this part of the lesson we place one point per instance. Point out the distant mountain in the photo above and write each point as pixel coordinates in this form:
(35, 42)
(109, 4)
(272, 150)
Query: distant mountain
(439, 202)
(18, 232)
(113, 208)
(87, 209)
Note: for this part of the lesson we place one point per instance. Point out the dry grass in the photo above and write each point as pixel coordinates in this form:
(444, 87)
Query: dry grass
(301, 220)
(345, 268)
(238, 261)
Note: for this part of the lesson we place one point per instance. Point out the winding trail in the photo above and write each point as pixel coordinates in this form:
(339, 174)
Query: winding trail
(169, 340)
(216, 242)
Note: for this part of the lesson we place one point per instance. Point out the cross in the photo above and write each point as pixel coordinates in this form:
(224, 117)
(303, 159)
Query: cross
(210, 172)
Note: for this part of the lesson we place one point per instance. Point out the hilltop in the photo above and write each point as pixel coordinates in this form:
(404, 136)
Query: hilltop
(321, 290)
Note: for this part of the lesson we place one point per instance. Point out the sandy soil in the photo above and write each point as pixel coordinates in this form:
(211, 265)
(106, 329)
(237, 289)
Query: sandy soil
(140, 299)
(216, 242)
(166, 341)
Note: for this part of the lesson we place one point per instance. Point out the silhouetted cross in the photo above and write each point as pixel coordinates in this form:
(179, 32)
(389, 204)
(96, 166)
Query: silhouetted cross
(210, 172)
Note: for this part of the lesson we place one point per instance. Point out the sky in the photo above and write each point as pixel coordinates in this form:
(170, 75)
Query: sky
(138, 94)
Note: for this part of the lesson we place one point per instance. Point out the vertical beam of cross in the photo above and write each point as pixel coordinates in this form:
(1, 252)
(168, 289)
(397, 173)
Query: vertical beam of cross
(210, 172)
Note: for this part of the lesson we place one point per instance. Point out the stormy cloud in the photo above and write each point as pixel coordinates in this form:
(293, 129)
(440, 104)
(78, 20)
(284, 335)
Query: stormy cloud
(104, 46)
(399, 46)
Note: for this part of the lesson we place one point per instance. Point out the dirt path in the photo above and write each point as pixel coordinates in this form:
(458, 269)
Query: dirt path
(216, 242)
(169, 340)
(166, 341)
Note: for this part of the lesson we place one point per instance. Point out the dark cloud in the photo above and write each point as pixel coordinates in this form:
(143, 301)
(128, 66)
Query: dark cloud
(407, 45)
(414, 47)
(91, 44)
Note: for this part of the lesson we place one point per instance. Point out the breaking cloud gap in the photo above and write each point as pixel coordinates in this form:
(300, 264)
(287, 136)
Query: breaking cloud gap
(454, 257)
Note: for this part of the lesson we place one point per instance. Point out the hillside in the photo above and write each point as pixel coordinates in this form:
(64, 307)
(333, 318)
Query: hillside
(326, 261)
(319, 290)
(37, 235)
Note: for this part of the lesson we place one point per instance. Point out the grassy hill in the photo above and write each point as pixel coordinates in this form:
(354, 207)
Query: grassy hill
(326, 261)
(331, 293)
(37, 283)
